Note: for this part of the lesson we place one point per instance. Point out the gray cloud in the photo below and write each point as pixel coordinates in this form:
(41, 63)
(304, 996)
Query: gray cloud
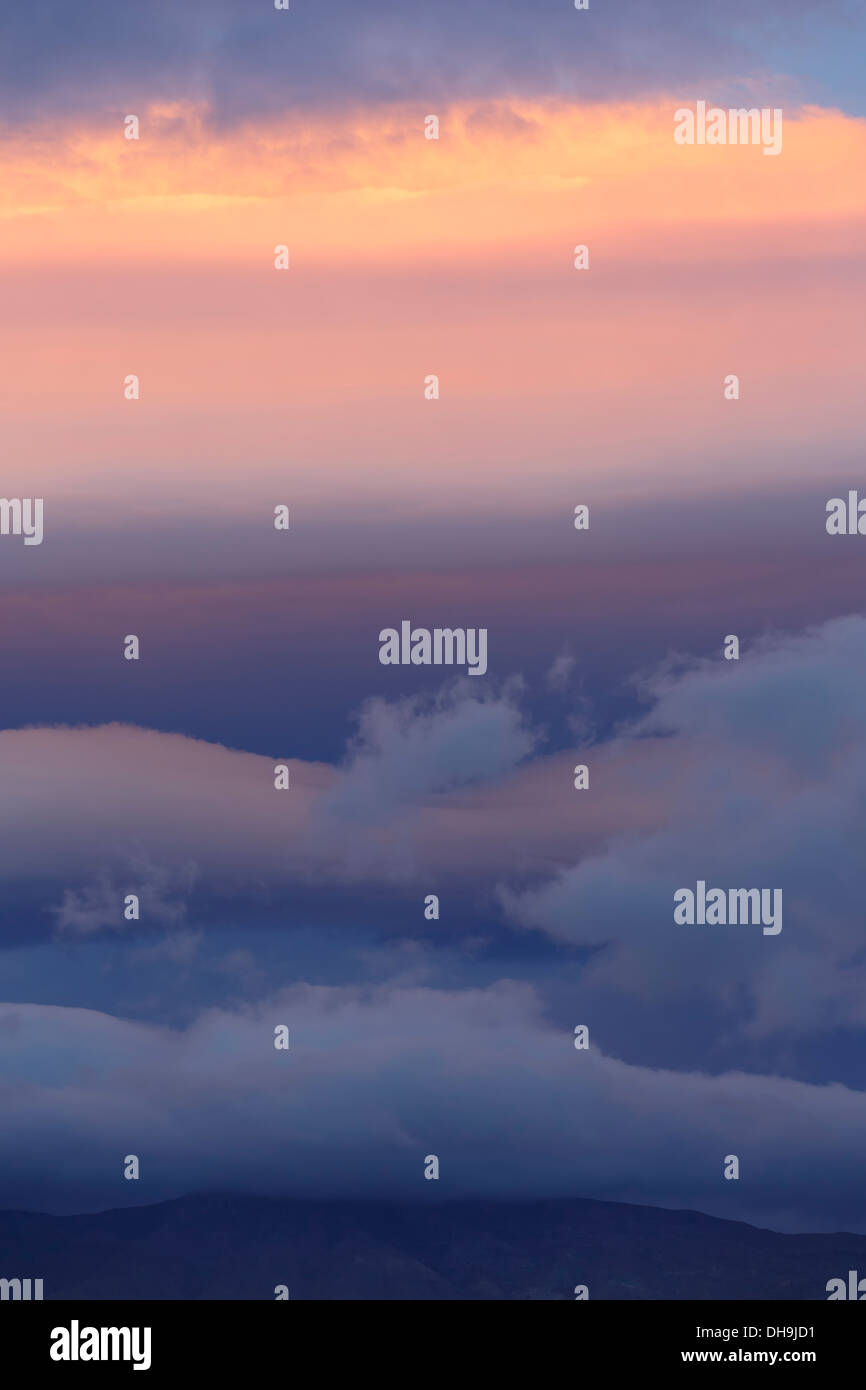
(376, 1079)
(252, 60)
(161, 893)
(760, 778)
(561, 668)
(749, 774)
(408, 750)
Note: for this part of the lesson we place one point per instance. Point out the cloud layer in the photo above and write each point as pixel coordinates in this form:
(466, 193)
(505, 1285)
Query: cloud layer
(254, 60)
(744, 775)
(374, 1081)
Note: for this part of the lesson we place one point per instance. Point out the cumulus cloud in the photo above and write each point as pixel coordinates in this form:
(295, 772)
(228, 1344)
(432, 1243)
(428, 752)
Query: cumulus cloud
(760, 778)
(408, 750)
(748, 774)
(119, 809)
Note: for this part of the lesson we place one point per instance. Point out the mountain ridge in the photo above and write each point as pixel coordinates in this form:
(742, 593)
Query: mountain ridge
(224, 1246)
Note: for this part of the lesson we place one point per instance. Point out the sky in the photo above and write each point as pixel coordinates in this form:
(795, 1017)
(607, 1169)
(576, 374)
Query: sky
(305, 388)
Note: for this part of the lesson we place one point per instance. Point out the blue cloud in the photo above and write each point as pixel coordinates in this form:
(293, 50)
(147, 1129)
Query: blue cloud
(100, 56)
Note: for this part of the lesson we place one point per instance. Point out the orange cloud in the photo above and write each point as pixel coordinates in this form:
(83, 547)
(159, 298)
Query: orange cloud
(414, 256)
(371, 186)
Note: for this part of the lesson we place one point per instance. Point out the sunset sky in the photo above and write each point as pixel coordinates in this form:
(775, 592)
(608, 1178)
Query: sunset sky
(258, 387)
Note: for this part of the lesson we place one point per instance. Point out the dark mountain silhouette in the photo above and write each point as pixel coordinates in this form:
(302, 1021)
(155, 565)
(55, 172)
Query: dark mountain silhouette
(212, 1247)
